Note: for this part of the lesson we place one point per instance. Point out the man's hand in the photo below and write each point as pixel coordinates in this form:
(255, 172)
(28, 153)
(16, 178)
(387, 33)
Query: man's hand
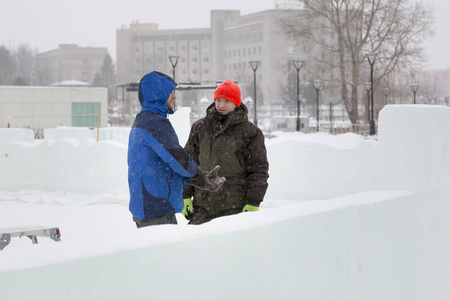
(188, 209)
(249, 207)
(208, 180)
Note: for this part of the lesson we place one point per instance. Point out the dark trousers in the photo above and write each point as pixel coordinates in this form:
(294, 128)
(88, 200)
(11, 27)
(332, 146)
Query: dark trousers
(168, 219)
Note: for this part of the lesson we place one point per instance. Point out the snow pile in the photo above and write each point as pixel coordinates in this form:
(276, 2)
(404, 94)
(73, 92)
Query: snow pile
(419, 159)
(70, 160)
(9, 135)
(384, 237)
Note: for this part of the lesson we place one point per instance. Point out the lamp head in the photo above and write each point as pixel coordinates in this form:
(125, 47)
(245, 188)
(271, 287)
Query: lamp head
(298, 64)
(173, 60)
(371, 57)
(317, 84)
(254, 64)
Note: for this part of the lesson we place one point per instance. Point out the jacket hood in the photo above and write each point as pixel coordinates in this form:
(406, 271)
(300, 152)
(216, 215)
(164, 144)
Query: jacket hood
(154, 90)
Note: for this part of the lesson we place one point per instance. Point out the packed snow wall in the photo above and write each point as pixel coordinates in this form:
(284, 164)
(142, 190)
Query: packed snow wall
(391, 243)
(71, 160)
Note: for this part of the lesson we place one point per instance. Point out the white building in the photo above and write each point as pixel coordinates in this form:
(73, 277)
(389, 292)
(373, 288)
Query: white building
(47, 107)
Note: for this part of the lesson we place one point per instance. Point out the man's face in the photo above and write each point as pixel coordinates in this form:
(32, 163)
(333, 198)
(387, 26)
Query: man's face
(224, 106)
(171, 101)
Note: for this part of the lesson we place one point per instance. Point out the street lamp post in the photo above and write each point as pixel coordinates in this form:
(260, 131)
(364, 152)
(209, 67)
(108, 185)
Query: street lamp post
(8, 120)
(446, 100)
(368, 87)
(298, 65)
(371, 58)
(414, 88)
(386, 94)
(317, 84)
(174, 60)
(254, 64)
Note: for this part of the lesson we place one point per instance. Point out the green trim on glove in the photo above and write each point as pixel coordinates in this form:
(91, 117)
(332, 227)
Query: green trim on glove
(249, 207)
(188, 208)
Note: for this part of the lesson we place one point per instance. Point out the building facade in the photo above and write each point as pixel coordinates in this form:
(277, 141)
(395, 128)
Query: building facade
(143, 48)
(69, 62)
(214, 54)
(38, 108)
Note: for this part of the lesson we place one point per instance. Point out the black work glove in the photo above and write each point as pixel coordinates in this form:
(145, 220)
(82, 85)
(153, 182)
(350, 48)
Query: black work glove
(208, 180)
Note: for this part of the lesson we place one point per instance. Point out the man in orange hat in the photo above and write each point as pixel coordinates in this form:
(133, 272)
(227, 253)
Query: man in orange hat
(225, 137)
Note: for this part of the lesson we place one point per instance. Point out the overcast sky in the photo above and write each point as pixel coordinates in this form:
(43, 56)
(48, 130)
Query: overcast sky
(44, 24)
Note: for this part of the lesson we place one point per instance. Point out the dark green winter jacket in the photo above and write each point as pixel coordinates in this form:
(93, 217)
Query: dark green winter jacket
(237, 145)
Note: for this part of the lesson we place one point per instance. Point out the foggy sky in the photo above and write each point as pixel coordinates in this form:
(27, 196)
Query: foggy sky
(44, 24)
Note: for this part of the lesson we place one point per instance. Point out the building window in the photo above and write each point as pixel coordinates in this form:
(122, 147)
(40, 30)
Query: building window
(194, 71)
(171, 49)
(194, 48)
(182, 48)
(183, 60)
(205, 48)
(194, 60)
(205, 71)
(137, 61)
(85, 114)
(148, 61)
(205, 59)
(160, 49)
(137, 49)
(282, 125)
(148, 49)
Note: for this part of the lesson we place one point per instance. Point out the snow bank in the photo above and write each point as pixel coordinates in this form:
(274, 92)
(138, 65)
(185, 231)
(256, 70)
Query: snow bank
(302, 165)
(70, 160)
(10, 135)
(388, 241)
(414, 147)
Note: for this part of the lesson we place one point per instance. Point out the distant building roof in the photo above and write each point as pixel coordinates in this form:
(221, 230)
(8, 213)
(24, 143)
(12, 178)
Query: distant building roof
(72, 83)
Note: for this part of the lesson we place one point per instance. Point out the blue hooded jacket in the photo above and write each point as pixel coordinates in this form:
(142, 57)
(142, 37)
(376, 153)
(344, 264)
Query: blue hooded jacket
(157, 165)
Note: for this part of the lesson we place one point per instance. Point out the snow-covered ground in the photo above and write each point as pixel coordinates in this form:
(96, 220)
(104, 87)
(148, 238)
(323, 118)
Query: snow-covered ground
(344, 218)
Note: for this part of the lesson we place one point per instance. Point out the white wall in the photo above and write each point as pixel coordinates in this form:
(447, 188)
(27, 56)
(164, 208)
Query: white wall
(44, 107)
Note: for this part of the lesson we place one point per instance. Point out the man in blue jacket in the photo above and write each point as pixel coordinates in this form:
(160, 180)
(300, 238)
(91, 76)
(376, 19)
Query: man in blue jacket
(158, 166)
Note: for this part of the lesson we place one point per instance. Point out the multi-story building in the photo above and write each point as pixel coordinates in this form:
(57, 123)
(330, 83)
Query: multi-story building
(69, 62)
(143, 48)
(211, 55)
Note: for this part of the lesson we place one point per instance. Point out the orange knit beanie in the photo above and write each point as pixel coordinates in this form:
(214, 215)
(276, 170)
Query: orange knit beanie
(230, 91)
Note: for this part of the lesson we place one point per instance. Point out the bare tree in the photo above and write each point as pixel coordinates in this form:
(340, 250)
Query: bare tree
(342, 32)
(6, 66)
(25, 64)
